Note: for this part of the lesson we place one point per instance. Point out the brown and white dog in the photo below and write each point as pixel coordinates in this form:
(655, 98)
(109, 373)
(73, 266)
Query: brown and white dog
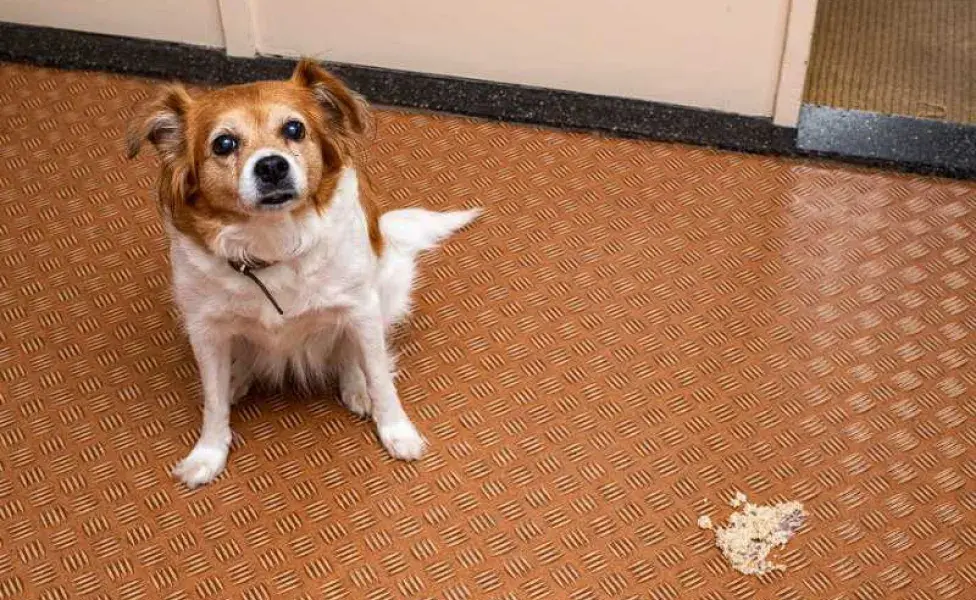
(283, 268)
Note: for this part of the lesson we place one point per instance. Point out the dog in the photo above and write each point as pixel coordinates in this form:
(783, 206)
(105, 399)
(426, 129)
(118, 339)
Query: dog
(283, 268)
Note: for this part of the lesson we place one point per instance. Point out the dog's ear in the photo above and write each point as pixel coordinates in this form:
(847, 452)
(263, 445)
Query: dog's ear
(163, 124)
(347, 110)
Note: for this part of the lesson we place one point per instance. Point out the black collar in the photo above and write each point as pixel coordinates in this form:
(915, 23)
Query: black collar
(247, 267)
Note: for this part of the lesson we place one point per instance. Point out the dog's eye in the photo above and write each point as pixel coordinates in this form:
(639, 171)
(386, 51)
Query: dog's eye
(224, 145)
(293, 130)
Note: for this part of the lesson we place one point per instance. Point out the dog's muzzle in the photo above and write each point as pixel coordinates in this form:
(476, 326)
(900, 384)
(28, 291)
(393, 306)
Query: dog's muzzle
(275, 183)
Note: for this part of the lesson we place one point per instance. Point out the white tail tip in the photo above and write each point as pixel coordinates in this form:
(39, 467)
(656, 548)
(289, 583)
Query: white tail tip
(417, 229)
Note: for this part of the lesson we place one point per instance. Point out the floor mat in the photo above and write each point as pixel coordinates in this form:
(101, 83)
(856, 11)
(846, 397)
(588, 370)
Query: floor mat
(902, 57)
(634, 332)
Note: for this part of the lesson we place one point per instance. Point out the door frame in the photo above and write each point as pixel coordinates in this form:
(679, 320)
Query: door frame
(796, 59)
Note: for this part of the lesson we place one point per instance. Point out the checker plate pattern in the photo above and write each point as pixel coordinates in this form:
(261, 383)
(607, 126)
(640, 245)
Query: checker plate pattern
(632, 333)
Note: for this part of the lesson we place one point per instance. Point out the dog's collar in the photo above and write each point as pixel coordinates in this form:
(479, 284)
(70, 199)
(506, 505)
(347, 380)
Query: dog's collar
(247, 267)
(249, 264)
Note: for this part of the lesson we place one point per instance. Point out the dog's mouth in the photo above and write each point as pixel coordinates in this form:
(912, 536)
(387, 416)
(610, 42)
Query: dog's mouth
(276, 199)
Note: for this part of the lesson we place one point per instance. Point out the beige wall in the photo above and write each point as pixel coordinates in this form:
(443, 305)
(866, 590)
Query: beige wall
(720, 54)
(190, 21)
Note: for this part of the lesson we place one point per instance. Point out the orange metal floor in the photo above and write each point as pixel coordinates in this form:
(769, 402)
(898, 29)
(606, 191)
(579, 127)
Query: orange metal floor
(632, 333)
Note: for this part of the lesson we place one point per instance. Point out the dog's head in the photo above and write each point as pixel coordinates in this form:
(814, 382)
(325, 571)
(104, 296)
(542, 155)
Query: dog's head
(252, 151)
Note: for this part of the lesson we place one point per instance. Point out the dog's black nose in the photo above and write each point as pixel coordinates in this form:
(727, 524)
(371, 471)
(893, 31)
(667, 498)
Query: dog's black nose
(271, 169)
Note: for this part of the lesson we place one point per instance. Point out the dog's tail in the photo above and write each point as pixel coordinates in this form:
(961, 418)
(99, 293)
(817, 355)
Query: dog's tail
(413, 230)
(406, 233)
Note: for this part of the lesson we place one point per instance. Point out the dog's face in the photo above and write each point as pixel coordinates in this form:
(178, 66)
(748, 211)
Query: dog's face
(252, 151)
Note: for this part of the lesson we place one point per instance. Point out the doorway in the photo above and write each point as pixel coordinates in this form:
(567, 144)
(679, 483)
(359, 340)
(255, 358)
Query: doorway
(893, 80)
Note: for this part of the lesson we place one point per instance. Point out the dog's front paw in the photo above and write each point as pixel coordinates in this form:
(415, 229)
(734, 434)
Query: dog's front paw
(402, 440)
(202, 466)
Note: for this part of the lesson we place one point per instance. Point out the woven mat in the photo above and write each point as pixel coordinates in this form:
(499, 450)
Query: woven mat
(634, 332)
(902, 57)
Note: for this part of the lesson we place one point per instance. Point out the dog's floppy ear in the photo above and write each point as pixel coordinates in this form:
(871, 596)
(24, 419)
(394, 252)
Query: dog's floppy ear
(163, 124)
(346, 109)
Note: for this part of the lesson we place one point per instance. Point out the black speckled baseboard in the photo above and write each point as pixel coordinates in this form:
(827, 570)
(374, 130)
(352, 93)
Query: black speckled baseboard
(821, 132)
(918, 145)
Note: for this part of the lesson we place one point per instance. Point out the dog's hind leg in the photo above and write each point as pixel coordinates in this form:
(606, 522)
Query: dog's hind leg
(241, 371)
(353, 391)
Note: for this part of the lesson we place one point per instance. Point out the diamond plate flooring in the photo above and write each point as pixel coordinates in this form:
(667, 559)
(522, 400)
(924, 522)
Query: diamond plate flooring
(633, 332)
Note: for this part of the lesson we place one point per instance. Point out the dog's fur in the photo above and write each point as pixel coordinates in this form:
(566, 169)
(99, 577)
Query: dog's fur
(341, 271)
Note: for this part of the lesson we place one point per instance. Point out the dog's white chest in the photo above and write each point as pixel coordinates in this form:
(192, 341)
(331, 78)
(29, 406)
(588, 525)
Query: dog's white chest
(286, 336)
(305, 296)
